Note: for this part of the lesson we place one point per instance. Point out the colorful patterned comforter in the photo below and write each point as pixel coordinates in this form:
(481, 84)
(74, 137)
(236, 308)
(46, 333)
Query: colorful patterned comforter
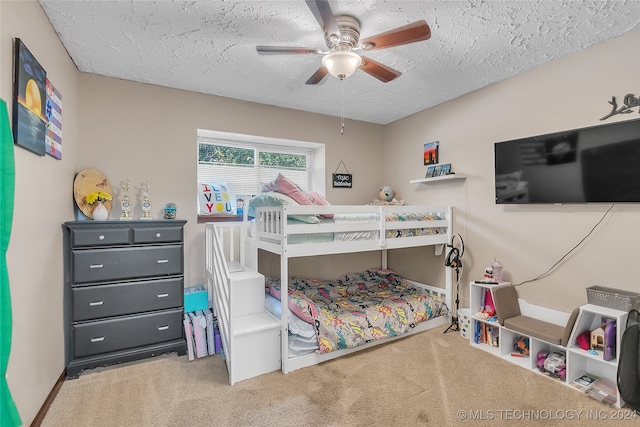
(360, 307)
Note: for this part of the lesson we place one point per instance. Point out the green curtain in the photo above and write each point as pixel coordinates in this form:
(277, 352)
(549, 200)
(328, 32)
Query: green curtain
(9, 413)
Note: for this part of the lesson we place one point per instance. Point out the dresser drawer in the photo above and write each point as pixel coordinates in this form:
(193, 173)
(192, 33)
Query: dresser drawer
(157, 235)
(94, 302)
(126, 332)
(96, 265)
(100, 236)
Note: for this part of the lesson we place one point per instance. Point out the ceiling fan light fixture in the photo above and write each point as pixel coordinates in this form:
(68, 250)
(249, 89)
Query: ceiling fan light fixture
(341, 63)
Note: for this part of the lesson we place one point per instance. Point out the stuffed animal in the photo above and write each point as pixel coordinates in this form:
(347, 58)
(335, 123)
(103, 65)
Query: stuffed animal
(387, 193)
(387, 197)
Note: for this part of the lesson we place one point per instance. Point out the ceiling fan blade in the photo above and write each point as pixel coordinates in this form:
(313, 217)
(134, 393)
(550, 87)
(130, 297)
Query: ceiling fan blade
(286, 50)
(379, 71)
(317, 76)
(410, 33)
(324, 15)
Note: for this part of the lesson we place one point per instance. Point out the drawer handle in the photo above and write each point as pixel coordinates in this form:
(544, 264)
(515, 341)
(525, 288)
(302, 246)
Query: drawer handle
(158, 235)
(94, 303)
(163, 328)
(101, 237)
(163, 295)
(162, 261)
(99, 339)
(96, 266)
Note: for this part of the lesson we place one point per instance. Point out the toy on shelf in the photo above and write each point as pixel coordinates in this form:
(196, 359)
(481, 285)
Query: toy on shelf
(597, 339)
(553, 363)
(487, 307)
(521, 346)
(387, 197)
(493, 273)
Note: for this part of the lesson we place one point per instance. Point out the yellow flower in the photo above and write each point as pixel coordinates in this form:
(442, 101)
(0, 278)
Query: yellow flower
(99, 196)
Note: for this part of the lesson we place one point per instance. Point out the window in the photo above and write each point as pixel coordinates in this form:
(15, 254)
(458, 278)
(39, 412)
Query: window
(244, 162)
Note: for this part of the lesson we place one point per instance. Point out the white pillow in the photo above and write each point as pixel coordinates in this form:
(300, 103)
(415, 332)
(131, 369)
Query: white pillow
(214, 199)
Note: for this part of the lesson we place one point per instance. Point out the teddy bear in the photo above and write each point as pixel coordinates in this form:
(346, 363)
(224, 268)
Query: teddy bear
(387, 197)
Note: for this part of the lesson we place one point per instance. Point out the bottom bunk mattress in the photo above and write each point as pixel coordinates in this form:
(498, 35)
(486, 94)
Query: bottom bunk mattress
(359, 307)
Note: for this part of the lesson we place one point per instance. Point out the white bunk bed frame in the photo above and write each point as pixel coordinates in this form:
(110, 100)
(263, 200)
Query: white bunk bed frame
(271, 231)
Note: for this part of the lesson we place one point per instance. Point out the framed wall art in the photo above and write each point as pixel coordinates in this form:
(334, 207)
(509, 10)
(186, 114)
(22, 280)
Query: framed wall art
(430, 153)
(29, 101)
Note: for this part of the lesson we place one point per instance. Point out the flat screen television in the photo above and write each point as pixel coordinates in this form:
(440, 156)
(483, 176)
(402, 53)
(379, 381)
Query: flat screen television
(594, 164)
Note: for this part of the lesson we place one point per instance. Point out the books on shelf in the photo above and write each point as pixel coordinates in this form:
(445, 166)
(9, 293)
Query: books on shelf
(584, 381)
(487, 334)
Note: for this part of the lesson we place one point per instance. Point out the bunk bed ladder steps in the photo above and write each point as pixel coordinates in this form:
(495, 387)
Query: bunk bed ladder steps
(251, 336)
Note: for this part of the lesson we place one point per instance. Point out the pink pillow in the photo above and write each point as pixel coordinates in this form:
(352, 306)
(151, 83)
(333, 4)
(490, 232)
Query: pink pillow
(282, 185)
(299, 304)
(318, 199)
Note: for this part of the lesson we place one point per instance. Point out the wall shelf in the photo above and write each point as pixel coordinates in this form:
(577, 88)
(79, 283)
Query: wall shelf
(438, 178)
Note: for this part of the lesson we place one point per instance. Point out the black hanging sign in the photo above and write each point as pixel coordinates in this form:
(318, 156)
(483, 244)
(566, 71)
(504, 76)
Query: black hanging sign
(342, 180)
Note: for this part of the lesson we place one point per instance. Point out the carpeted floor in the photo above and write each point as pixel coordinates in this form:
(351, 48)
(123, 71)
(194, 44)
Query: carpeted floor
(428, 379)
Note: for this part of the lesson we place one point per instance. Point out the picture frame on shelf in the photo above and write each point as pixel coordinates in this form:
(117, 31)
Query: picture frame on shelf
(437, 171)
(446, 169)
(430, 171)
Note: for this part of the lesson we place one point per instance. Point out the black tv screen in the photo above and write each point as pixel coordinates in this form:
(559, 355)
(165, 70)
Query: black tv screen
(594, 164)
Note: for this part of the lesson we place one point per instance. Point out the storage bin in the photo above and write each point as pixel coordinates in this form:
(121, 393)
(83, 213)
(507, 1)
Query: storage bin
(613, 298)
(195, 298)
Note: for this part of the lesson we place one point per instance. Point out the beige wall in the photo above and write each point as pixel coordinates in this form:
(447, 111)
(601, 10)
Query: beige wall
(43, 201)
(140, 132)
(528, 239)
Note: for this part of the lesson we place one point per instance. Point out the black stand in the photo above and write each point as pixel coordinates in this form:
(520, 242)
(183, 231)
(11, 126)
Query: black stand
(454, 319)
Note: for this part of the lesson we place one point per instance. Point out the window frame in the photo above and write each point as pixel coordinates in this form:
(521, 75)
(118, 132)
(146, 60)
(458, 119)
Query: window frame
(315, 169)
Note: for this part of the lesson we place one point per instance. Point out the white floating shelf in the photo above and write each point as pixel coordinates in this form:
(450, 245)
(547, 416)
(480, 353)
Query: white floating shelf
(438, 178)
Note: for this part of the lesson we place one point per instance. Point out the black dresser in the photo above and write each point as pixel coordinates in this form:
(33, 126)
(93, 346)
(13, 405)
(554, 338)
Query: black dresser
(123, 291)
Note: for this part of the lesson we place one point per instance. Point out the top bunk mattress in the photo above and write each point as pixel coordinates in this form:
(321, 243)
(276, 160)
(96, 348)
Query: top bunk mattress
(293, 225)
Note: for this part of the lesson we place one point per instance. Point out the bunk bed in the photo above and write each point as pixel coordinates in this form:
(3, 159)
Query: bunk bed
(293, 231)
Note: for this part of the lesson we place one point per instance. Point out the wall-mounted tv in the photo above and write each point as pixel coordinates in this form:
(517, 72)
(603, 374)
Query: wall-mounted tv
(594, 164)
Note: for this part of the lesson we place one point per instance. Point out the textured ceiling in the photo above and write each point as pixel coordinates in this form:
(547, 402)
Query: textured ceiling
(209, 47)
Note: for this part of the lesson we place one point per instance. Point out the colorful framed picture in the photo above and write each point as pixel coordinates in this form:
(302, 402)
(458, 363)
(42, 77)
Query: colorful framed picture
(437, 171)
(430, 170)
(29, 101)
(446, 169)
(430, 153)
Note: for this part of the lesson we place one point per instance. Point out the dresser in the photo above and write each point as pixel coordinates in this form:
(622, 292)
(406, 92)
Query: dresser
(123, 291)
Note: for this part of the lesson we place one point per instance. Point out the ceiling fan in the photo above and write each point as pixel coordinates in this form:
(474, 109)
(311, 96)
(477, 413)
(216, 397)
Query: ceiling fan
(342, 36)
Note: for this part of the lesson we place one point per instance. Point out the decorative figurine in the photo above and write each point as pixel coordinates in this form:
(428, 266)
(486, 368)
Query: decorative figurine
(126, 201)
(146, 201)
(170, 211)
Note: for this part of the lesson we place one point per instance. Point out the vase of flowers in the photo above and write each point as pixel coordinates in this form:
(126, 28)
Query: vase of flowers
(97, 198)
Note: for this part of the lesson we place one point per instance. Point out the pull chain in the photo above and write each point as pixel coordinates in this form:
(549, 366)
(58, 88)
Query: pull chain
(341, 106)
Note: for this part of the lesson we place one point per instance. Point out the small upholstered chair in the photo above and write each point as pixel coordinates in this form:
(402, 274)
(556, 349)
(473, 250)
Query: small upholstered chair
(507, 307)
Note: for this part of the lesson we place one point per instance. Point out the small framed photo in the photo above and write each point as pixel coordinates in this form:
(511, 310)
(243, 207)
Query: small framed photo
(446, 169)
(438, 170)
(430, 171)
(430, 153)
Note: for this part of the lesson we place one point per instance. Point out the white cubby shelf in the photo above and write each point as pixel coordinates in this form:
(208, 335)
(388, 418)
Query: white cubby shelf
(578, 361)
